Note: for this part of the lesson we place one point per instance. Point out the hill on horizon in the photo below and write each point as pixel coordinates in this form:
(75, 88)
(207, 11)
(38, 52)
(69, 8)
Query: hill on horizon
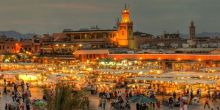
(16, 35)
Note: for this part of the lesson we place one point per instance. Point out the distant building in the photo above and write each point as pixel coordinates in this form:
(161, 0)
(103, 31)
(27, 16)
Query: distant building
(192, 31)
(167, 40)
(93, 38)
(9, 45)
(31, 45)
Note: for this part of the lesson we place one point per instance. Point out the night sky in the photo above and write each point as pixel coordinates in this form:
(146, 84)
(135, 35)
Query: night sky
(151, 16)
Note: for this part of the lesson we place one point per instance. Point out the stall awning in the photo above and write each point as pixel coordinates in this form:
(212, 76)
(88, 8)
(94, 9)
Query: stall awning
(80, 52)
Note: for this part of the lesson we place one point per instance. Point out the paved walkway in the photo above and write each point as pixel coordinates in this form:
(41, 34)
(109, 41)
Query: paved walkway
(3, 100)
(94, 99)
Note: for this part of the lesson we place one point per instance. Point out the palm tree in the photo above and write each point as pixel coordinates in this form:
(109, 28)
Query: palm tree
(64, 98)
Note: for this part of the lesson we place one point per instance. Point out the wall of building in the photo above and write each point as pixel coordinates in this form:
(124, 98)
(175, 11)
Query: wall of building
(9, 45)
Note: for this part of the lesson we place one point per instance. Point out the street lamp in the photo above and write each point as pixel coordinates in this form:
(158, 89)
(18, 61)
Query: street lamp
(140, 58)
(80, 46)
(159, 58)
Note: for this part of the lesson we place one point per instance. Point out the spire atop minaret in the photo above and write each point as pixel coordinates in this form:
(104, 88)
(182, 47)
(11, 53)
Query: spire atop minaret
(125, 6)
(192, 23)
(125, 15)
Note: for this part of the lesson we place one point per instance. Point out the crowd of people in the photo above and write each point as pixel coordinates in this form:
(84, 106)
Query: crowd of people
(188, 97)
(19, 94)
(120, 100)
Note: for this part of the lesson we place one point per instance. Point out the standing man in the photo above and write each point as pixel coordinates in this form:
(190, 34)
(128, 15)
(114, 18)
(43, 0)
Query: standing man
(206, 103)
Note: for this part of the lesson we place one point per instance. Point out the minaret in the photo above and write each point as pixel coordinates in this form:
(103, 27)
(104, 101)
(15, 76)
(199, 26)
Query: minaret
(125, 30)
(192, 31)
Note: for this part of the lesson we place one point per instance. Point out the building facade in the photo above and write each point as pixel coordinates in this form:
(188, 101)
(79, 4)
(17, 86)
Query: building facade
(93, 38)
(9, 45)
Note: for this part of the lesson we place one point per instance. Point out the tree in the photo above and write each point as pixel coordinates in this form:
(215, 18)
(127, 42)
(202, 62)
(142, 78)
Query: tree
(65, 98)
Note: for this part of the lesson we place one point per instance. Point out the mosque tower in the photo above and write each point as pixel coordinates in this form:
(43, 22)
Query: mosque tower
(125, 31)
(192, 31)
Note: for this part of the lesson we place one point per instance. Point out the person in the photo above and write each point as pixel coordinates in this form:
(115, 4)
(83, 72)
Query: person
(5, 90)
(100, 103)
(153, 106)
(198, 93)
(9, 107)
(217, 108)
(143, 106)
(174, 95)
(130, 94)
(214, 96)
(191, 96)
(22, 86)
(119, 94)
(185, 106)
(108, 96)
(15, 87)
(17, 106)
(181, 104)
(158, 105)
(138, 106)
(22, 106)
(187, 91)
(127, 106)
(13, 95)
(86, 100)
(6, 106)
(28, 104)
(27, 84)
(206, 103)
(103, 103)
(209, 94)
(170, 102)
(23, 96)
(218, 94)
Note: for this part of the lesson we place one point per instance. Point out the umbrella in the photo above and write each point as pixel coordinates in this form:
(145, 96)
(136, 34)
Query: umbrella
(142, 99)
(39, 103)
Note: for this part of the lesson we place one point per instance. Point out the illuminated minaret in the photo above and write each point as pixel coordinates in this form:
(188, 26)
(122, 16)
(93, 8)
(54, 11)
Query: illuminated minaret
(192, 31)
(125, 31)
